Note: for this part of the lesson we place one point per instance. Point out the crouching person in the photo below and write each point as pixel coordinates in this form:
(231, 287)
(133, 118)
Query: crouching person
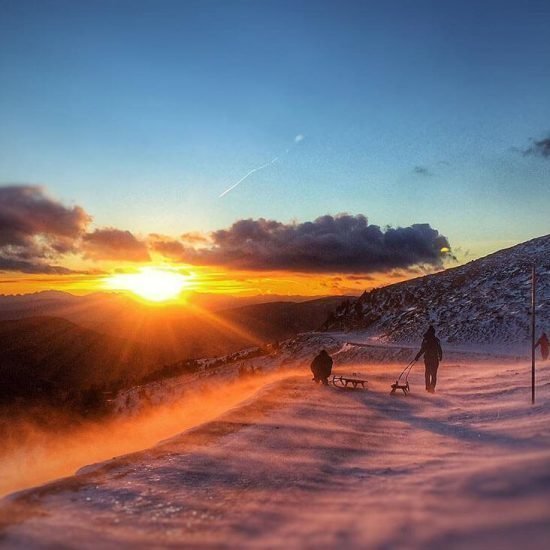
(321, 367)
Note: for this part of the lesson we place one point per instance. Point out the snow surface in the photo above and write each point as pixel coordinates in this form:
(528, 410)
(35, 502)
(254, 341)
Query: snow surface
(303, 466)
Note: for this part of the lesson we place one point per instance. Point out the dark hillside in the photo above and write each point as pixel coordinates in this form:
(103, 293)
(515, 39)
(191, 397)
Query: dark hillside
(45, 356)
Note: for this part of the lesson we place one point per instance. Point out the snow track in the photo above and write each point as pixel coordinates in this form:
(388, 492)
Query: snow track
(302, 466)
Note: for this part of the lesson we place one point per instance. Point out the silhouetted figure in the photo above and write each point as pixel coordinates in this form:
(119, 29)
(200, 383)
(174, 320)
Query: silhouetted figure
(544, 347)
(321, 367)
(431, 349)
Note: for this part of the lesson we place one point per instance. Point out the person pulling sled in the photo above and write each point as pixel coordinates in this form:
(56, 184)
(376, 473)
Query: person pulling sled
(431, 349)
(544, 346)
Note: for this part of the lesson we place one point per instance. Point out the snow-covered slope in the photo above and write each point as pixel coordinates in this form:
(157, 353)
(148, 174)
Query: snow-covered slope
(303, 466)
(484, 301)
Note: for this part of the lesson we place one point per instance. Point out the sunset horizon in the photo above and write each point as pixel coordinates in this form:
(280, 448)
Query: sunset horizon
(274, 274)
(260, 256)
(82, 258)
(293, 157)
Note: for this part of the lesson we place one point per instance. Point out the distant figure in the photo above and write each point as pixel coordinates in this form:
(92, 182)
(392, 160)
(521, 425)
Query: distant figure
(321, 367)
(543, 343)
(431, 349)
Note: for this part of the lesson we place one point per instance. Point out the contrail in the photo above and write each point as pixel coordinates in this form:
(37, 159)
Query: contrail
(297, 139)
(249, 174)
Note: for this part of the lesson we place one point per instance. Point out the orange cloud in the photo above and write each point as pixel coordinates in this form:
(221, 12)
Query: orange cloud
(114, 244)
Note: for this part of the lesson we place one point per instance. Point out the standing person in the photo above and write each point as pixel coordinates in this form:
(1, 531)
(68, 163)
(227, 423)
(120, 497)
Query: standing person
(431, 349)
(544, 346)
(321, 367)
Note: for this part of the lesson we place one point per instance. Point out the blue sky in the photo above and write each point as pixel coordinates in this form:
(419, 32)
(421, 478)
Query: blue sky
(144, 112)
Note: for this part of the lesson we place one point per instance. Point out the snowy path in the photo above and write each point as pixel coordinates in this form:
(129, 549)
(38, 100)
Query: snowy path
(301, 466)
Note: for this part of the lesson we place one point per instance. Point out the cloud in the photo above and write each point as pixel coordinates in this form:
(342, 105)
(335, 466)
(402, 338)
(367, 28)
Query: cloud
(339, 244)
(25, 212)
(298, 138)
(170, 248)
(37, 232)
(36, 229)
(25, 266)
(114, 244)
(422, 171)
(539, 148)
(194, 237)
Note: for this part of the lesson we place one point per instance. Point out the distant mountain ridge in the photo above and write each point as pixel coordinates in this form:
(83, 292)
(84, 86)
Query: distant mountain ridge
(20, 303)
(486, 301)
(178, 332)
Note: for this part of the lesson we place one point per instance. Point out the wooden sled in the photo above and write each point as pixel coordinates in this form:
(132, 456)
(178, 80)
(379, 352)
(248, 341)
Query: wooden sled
(402, 382)
(397, 386)
(349, 382)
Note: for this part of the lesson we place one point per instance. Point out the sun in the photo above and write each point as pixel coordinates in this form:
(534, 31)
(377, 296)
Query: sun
(153, 284)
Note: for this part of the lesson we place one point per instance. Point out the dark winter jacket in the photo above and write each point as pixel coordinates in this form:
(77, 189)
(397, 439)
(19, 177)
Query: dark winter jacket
(431, 349)
(321, 366)
(544, 345)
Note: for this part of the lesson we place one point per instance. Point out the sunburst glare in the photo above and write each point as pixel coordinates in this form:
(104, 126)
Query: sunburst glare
(153, 284)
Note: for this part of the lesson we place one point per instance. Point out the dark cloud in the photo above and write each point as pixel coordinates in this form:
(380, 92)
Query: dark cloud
(539, 148)
(168, 247)
(344, 243)
(36, 232)
(35, 229)
(422, 171)
(114, 244)
(25, 266)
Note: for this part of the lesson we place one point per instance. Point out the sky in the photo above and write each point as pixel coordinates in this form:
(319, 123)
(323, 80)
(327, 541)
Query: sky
(143, 113)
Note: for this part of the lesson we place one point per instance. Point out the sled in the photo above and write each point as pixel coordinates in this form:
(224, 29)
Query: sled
(349, 382)
(403, 385)
(398, 386)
